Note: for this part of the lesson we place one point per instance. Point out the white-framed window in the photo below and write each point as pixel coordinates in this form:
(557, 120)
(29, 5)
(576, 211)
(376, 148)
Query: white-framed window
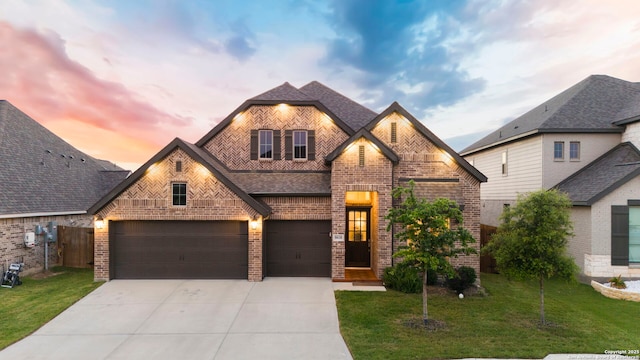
(179, 194)
(299, 144)
(504, 163)
(558, 151)
(265, 144)
(574, 150)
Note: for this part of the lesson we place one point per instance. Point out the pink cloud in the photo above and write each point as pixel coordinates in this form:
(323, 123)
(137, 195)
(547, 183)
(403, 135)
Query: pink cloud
(41, 80)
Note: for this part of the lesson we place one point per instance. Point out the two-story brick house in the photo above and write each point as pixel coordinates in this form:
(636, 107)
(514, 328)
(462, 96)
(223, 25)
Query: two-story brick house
(294, 182)
(582, 141)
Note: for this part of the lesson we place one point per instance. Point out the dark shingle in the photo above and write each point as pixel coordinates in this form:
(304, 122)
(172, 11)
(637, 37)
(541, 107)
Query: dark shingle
(591, 105)
(284, 92)
(349, 111)
(41, 173)
(603, 175)
(279, 183)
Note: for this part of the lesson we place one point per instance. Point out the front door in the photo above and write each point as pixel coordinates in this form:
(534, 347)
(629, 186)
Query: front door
(358, 245)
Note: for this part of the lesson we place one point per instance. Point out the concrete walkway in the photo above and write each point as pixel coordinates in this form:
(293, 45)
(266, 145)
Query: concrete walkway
(279, 318)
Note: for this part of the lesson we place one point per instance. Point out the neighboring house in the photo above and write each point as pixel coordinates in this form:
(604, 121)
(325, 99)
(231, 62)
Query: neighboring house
(43, 181)
(583, 142)
(294, 182)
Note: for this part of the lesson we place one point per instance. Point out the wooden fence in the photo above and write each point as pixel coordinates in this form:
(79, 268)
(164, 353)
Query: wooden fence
(487, 262)
(75, 246)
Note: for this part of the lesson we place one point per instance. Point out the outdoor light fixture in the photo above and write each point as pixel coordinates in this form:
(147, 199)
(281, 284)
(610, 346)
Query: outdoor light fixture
(99, 222)
(254, 223)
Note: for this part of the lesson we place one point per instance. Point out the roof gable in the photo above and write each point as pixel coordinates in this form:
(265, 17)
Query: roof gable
(197, 154)
(603, 175)
(292, 97)
(395, 107)
(43, 174)
(592, 105)
(364, 133)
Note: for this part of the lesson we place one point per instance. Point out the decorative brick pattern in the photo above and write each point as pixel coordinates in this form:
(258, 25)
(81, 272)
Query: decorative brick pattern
(232, 145)
(208, 199)
(421, 159)
(150, 198)
(376, 177)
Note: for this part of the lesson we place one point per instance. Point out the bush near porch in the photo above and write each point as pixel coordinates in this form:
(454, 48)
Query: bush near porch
(503, 324)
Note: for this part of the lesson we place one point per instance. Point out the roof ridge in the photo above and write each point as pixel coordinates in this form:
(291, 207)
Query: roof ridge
(283, 92)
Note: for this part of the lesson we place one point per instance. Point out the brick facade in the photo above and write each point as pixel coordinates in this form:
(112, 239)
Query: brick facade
(232, 144)
(149, 197)
(13, 230)
(436, 176)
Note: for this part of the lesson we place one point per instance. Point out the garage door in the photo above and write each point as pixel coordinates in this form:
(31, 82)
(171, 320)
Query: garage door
(179, 249)
(298, 248)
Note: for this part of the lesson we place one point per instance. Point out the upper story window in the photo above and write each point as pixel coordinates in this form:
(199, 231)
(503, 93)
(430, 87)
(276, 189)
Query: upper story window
(299, 145)
(574, 150)
(265, 144)
(504, 163)
(558, 150)
(179, 194)
(394, 132)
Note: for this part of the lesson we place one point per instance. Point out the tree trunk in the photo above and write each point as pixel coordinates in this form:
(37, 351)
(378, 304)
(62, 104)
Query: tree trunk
(425, 312)
(542, 321)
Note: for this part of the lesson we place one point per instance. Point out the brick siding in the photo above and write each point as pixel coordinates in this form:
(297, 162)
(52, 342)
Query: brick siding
(12, 247)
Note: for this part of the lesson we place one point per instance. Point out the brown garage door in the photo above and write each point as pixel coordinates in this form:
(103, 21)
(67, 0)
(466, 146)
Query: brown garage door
(298, 248)
(179, 249)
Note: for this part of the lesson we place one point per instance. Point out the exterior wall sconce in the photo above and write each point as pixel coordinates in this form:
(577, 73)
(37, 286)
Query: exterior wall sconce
(254, 223)
(99, 222)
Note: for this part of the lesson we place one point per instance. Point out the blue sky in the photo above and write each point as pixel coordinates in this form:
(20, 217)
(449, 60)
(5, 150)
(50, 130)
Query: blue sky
(120, 79)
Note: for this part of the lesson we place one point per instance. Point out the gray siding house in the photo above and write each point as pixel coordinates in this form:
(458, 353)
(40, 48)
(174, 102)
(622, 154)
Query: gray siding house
(583, 141)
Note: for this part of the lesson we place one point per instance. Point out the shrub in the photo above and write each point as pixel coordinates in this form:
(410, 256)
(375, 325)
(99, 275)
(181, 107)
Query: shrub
(617, 282)
(403, 277)
(464, 278)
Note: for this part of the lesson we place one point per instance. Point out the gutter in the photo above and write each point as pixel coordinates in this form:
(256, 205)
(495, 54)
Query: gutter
(58, 213)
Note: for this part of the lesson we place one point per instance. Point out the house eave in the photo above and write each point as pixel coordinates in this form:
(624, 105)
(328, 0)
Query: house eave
(41, 214)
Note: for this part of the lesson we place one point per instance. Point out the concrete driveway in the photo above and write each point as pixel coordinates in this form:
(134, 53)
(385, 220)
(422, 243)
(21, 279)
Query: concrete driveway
(279, 318)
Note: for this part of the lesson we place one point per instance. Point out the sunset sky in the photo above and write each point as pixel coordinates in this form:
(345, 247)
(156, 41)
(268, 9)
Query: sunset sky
(120, 79)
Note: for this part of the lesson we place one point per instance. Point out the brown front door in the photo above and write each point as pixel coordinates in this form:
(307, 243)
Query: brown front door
(358, 238)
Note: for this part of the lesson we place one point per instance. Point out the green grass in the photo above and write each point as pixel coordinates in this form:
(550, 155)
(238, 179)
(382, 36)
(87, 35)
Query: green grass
(25, 308)
(502, 324)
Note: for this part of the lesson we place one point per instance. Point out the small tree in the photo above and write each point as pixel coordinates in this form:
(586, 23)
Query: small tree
(531, 241)
(430, 240)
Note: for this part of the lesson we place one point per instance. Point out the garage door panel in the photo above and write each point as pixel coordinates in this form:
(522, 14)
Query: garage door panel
(298, 248)
(180, 249)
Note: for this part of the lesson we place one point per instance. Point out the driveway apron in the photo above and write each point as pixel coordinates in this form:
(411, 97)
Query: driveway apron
(279, 318)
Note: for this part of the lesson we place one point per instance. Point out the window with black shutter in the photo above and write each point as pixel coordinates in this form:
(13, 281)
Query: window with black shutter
(619, 235)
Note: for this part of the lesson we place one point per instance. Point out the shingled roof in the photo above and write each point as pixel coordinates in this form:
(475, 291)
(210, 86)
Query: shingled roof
(603, 175)
(352, 113)
(592, 105)
(41, 174)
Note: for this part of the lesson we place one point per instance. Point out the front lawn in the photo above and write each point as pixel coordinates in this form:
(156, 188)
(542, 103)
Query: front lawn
(502, 324)
(25, 308)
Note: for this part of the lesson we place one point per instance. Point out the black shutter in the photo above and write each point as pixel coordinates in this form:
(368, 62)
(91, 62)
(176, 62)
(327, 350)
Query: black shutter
(254, 145)
(619, 235)
(311, 146)
(277, 150)
(288, 144)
